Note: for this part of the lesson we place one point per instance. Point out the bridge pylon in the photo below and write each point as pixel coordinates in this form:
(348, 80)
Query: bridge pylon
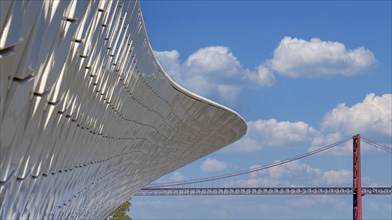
(357, 196)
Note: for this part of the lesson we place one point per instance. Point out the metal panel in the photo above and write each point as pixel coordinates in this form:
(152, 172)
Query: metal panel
(88, 116)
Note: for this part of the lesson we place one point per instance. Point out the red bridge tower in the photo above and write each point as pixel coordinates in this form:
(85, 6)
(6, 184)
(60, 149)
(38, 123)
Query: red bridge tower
(357, 197)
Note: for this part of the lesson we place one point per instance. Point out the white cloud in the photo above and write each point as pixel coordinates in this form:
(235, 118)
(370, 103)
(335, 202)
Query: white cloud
(169, 61)
(213, 70)
(295, 168)
(373, 115)
(177, 176)
(300, 58)
(273, 133)
(216, 71)
(230, 93)
(257, 173)
(294, 173)
(212, 165)
(342, 149)
(256, 182)
(265, 75)
(292, 169)
(215, 59)
(322, 140)
(335, 177)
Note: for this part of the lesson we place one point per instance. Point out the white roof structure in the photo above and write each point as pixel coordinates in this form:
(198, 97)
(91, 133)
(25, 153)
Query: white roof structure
(87, 115)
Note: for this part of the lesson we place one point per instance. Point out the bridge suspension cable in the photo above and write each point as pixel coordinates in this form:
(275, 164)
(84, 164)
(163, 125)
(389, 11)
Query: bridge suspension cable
(243, 172)
(377, 144)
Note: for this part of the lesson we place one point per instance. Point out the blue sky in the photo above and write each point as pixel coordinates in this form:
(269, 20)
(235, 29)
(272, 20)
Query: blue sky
(303, 74)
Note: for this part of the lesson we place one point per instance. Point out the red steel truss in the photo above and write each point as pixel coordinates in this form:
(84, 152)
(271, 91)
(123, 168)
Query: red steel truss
(262, 191)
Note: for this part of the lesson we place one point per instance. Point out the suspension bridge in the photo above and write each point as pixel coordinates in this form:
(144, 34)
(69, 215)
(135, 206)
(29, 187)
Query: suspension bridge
(177, 188)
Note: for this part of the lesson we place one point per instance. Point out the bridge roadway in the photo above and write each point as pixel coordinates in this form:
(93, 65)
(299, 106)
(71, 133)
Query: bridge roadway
(262, 191)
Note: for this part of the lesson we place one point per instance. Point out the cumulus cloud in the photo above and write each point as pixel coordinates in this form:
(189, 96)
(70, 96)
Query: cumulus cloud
(212, 165)
(265, 75)
(335, 177)
(292, 173)
(295, 168)
(177, 176)
(373, 115)
(273, 133)
(216, 71)
(288, 170)
(301, 171)
(170, 60)
(256, 182)
(322, 140)
(213, 70)
(213, 59)
(372, 118)
(300, 58)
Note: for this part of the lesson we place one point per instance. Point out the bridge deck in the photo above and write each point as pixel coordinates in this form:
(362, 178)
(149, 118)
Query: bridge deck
(262, 191)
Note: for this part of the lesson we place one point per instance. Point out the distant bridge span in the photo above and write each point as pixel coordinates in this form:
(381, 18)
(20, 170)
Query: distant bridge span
(236, 191)
(357, 191)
